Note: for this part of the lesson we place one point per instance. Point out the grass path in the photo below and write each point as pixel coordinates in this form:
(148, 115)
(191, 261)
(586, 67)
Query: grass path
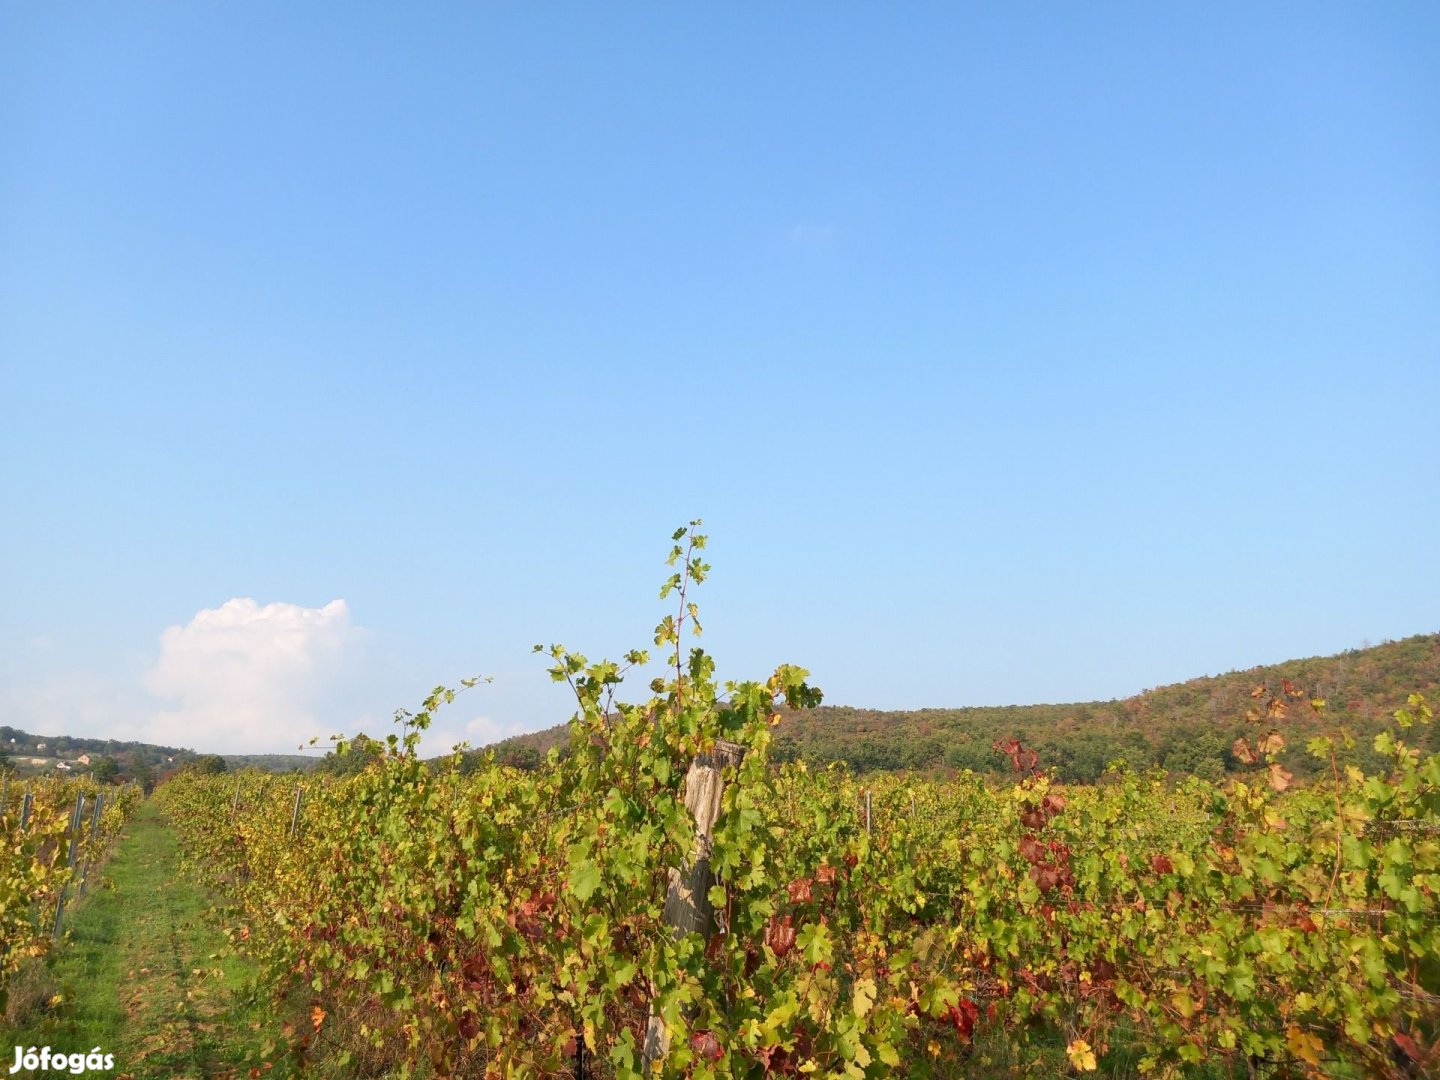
(144, 974)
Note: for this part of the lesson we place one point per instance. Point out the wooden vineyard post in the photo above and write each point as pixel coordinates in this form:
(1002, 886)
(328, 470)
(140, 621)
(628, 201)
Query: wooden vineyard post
(687, 902)
(295, 814)
(76, 821)
(25, 804)
(94, 833)
(867, 813)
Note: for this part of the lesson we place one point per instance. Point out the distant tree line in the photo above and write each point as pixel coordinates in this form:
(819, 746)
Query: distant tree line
(1189, 728)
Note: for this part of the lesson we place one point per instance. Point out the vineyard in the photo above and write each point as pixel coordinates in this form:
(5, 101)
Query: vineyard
(664, 899)
(54, 831)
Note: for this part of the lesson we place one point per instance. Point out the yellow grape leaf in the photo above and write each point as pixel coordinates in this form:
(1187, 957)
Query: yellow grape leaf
(1305, 1046)
(864, 997)
(1081, 1056)
(317, 1017)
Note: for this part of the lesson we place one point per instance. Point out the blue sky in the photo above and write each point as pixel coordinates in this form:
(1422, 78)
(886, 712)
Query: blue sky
(1011, 353)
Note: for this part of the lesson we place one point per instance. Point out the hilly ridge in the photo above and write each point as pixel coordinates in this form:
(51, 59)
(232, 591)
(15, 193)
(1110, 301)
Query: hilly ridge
(1187, 727)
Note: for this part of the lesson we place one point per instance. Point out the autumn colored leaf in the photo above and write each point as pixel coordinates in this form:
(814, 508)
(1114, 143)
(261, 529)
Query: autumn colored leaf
(963, 1016)
(1280, 777)
(780, 935)
(706, 1046)
(1082, 1057)
(1304, 1045)
(1407, 1046)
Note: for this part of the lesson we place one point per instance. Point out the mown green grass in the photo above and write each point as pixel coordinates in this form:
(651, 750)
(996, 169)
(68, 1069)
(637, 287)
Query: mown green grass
(143, 974)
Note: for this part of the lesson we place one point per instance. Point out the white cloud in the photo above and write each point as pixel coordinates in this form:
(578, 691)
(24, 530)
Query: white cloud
(244, 677)
(247, 678)
(482, 727)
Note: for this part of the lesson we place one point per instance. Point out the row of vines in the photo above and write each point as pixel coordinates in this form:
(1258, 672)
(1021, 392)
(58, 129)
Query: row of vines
(52, 831)
(512, 924)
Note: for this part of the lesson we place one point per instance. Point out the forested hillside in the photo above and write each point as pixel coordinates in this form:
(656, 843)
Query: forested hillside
(1190, 727)
(109, 760)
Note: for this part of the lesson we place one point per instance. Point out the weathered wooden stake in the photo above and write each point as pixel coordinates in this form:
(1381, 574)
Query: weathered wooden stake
(94, 832)
(25, 805)
(867, 813)
(75, 819)
(687, 903)
(295, 814)
(235, 803)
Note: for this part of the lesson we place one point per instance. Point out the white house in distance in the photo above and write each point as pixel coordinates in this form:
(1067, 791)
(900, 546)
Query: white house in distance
(39, 746)
(83, 759)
